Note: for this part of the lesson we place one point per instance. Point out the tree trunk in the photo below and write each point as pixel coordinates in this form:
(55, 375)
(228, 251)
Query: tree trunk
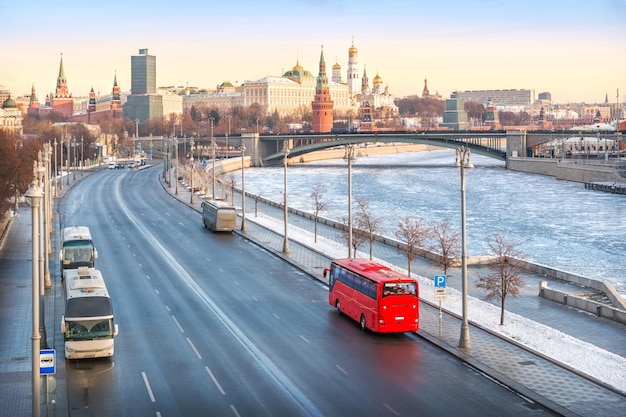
(501, 311)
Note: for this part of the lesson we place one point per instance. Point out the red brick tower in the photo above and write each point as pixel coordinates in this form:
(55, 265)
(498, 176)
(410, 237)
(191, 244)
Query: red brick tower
(116, 100)
(62, 102)
(33, 105)
(91, 108)
(322, 106)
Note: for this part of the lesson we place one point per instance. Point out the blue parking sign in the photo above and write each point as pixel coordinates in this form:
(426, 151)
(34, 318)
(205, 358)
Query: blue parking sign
(440, 281)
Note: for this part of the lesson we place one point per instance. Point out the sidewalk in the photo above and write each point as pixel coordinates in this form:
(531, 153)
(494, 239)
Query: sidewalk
(534, 376)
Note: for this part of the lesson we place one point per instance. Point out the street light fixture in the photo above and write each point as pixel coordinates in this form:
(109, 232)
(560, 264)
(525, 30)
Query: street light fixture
(286, 221)
(349, 156)
(213, 145)
(191, 143)
(56, 169)
(463, 161)
(82, 156)
(74, 149)
(176, 143)
(35, 194)
(243, 187)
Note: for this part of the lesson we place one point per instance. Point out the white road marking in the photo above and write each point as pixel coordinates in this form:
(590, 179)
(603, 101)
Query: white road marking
(304, 338)
(232, 407)
(217, 384)
(390, 409)
(342, 370)
(194, 348)
(275, 315)
(178, 324)
(156, 291)
(147, 383)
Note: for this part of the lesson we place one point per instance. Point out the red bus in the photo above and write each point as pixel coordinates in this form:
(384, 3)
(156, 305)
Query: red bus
(377, 297)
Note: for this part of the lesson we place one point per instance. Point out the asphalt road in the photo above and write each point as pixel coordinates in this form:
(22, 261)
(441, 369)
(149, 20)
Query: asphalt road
(211, 324)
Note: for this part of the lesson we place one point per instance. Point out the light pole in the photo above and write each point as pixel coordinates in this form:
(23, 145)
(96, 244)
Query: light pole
(213, 144)
(285, 154)
(56, 169)
(35, 194)
(136, 128)
(463, 161)
(191, 143)
(243, 187)
(67, 161)
(176, 143)
(349, 156)
(40, 175)
(74, 149)
(82, 156)
(227, 134)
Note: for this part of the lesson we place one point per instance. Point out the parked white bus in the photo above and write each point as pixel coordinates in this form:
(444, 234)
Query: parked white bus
(77, 249)
(88, 326)
(219, 216)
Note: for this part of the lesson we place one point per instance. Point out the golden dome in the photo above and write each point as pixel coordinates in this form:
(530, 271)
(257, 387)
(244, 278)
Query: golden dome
(336, 66)
(298, 67)
(352, 51)
(378, 80)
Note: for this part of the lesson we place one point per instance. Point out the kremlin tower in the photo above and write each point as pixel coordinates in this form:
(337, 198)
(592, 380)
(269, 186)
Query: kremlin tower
(322, 105)
(62, 102)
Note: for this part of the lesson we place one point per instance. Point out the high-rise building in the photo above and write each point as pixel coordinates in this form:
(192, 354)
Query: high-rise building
(143, 73)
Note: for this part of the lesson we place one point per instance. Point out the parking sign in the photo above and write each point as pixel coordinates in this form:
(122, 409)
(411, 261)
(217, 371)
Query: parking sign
(440, 281)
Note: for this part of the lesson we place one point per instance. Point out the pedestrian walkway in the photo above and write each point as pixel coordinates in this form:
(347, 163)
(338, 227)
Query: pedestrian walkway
(529, 373)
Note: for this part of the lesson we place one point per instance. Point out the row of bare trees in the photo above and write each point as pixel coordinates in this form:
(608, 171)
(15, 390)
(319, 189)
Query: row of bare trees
(505, 266)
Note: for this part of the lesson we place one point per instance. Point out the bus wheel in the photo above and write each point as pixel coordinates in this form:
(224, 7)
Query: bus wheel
(338, 306)
(363, 327)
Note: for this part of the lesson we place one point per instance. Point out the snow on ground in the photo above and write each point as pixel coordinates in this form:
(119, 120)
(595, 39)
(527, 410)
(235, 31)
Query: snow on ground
(598, 363)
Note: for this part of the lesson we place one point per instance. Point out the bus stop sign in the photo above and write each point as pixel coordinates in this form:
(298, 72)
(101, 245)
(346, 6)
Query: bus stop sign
(47, 362)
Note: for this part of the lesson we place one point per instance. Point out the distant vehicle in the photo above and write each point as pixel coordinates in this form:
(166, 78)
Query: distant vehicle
(87, 323)
(77, 249)
(219, 216)
(372, 294)
(112, 165)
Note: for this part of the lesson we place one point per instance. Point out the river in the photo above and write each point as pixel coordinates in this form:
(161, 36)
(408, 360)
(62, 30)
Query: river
(555, 223)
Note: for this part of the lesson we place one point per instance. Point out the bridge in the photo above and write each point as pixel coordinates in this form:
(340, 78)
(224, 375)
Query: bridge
(491, 144)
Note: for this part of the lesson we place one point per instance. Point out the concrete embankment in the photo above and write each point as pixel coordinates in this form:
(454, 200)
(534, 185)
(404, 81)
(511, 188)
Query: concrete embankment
(584, 171)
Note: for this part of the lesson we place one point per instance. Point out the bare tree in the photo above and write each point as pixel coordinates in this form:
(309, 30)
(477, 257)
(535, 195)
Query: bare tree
(413, 233)
(320, 204)
(505, 267)
(446, 243)
(366, 223)
(358, 235)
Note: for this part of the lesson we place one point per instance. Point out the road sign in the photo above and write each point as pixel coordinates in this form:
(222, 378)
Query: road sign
(440, 281)
(47, 362)
(440, 293)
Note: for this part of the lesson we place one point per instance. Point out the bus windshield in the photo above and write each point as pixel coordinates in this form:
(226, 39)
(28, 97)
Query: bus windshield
(89, 329)
(78, 253)
(399, 288)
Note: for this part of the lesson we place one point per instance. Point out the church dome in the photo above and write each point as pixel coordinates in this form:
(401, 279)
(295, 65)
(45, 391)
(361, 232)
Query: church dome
(336, 66)
(378, 80)
(9, 103)
(352, 51)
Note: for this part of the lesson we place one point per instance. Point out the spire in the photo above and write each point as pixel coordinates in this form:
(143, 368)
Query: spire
(322, 79)
(61, 70)
(115, 80)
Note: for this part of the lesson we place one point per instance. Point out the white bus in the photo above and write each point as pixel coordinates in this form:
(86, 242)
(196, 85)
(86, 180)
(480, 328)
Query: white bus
(88, 326)
(219, 216)
(77, 249)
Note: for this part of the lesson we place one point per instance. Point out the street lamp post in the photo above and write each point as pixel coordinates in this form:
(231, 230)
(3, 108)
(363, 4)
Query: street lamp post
(213, 144)
(136, 128)
(74, 151)
(176, 143)
(285, 154)
(243, 187)
(191, 143)
(82, 156)
(463, 161)
(56, 170)
(67, 161)
(349, 156)
(35, 194)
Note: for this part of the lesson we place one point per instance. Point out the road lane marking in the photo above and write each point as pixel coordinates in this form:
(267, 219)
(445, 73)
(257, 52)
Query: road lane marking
(156, 291)
(194, 348)
(234, 410)
(341, 369)
(304, 338)
(390, 409)
(275, 315)
(217, 384)
(178, 324)
(254, 298)
(148, 276)
(167, 308)
(145, 381)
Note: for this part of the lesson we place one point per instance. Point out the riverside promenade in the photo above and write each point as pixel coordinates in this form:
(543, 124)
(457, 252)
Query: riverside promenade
(558, 387)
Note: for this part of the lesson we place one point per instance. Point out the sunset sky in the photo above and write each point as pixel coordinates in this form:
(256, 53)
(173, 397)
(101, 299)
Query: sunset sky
(574, 49)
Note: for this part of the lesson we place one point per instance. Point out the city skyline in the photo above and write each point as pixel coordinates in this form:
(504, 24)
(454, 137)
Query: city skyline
(572, 49)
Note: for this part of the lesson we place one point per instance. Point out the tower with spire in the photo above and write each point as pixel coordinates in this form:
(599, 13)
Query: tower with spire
(33, 105)
(322, 105)
(353, 70)
(62, 101)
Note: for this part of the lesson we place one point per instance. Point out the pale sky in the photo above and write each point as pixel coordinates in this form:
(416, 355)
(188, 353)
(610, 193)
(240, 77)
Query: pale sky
(574, 49)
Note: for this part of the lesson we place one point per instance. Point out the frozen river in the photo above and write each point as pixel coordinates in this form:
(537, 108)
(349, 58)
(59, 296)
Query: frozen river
(555, 223)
